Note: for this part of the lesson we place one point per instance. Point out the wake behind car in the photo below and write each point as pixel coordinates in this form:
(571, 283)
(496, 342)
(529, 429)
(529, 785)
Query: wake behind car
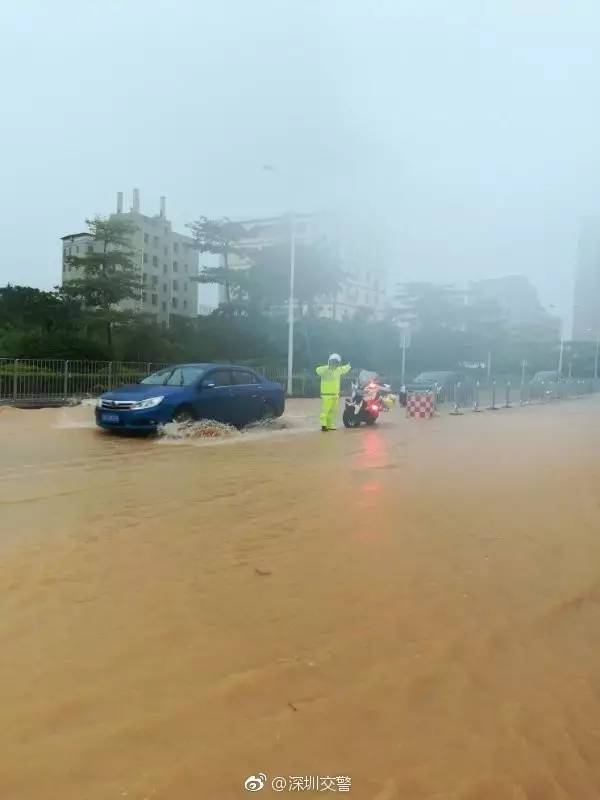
(183, 392)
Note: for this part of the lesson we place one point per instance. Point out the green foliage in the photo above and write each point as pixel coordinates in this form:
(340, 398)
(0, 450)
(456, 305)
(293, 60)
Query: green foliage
(318, 276)
(108, 274)
(24, 307)
(222, 237)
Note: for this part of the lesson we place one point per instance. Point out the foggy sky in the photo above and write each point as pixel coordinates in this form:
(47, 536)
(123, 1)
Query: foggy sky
(469, 130)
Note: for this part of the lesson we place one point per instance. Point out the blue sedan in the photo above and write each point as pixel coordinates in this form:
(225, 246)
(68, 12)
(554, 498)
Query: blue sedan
(183, 392)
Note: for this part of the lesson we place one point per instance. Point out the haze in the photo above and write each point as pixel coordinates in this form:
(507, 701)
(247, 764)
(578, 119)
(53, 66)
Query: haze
(469, 131)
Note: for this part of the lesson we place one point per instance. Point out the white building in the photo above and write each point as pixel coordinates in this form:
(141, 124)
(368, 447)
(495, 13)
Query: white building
(364, 285)
(167, 262)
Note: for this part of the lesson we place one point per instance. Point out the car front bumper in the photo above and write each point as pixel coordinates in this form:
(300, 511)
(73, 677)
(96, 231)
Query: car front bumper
(147, 419)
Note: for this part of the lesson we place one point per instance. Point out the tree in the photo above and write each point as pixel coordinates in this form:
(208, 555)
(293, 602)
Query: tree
(107, 274)
(318, 276)
(220, 237)
(26, 308)
(431, 306)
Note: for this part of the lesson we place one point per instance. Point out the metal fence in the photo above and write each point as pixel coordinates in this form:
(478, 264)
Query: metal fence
(22, 379)
(53, 379)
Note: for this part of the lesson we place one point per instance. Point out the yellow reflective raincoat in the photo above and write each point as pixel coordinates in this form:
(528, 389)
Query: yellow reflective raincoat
(330, 392)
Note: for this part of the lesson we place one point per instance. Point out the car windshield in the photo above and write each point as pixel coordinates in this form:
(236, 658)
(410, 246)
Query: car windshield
(174, 376)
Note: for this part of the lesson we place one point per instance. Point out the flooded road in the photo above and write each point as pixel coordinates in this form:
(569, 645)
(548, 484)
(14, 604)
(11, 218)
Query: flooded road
(415, 606)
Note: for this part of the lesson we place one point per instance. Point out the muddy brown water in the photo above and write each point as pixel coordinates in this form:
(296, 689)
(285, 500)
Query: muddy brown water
(416, 606)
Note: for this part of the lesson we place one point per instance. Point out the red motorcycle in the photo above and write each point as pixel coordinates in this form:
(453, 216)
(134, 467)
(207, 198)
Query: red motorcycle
(368, 400)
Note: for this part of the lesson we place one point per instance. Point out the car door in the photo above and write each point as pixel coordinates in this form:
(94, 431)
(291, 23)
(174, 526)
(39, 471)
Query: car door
(249, 401)
(216, 397)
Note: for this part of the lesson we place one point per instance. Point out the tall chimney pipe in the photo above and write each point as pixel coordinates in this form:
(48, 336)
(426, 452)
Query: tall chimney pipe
(136, 200)
(119, 202)
(163, 206)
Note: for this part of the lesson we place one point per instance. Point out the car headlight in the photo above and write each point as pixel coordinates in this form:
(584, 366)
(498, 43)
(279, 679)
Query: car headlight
(149, 402)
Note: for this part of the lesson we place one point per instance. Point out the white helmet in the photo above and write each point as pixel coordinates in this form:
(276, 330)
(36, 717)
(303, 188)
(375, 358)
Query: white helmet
(335, 357)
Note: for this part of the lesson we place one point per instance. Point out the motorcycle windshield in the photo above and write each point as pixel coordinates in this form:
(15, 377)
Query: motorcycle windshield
(365, 377)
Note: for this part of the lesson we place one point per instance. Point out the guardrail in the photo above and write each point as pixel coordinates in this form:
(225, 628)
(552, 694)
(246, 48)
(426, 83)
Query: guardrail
(55, 379)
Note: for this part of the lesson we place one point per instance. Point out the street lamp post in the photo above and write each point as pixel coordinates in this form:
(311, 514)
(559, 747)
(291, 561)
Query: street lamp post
(560, 357)
(273, 169)
(291, 304)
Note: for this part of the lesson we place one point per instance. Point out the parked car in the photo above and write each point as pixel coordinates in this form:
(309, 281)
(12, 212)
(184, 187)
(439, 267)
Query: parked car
(445, 383)
(545, 384)
(183, 392)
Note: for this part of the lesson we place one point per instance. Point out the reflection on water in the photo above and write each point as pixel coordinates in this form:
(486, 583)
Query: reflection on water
(414, 605)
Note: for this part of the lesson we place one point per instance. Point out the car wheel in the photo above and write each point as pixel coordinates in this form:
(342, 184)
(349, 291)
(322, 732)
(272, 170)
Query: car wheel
(268, 412)
(184, 414)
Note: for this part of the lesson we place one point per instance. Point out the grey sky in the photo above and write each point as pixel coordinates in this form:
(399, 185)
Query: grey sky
(471, 129)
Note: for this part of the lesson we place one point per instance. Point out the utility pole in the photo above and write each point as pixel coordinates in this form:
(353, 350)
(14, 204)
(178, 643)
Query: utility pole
(403, 374)
(560, 357)
(291, 303)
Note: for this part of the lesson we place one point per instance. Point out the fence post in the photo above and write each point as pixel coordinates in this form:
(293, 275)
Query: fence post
(110, 381)
(493, 406)
(476, 398)
(508, 386)
(456, 410)
(66, 379)
(15, 378)
(149, 367)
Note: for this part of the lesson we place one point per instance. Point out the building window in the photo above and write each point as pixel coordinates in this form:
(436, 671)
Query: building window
(155, 280)
(185, 287)
(185, 266)
(155, 261)
(144, 276)
(155, 241)
(165, 269)
(146, 238)
(174, 302)
(145, 258)
(144, 297)
(154, 299)
(163, 305)
(175, 266)
(175, 286)
(185, 305)
(77, 249)
(166, 250)
(175, 247)
(165, 288)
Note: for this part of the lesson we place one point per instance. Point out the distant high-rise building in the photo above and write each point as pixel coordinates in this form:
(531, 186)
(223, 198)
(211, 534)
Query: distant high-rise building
(586, 310)
(167, 262)
(519, 303)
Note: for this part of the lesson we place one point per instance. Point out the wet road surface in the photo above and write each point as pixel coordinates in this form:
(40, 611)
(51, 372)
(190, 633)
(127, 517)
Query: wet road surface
(416, 606)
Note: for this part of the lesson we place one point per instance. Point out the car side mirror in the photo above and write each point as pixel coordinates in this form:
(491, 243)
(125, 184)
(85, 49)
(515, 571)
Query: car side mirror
(209, 385)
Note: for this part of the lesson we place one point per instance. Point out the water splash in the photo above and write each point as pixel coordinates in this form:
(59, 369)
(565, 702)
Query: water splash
(200, 429)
